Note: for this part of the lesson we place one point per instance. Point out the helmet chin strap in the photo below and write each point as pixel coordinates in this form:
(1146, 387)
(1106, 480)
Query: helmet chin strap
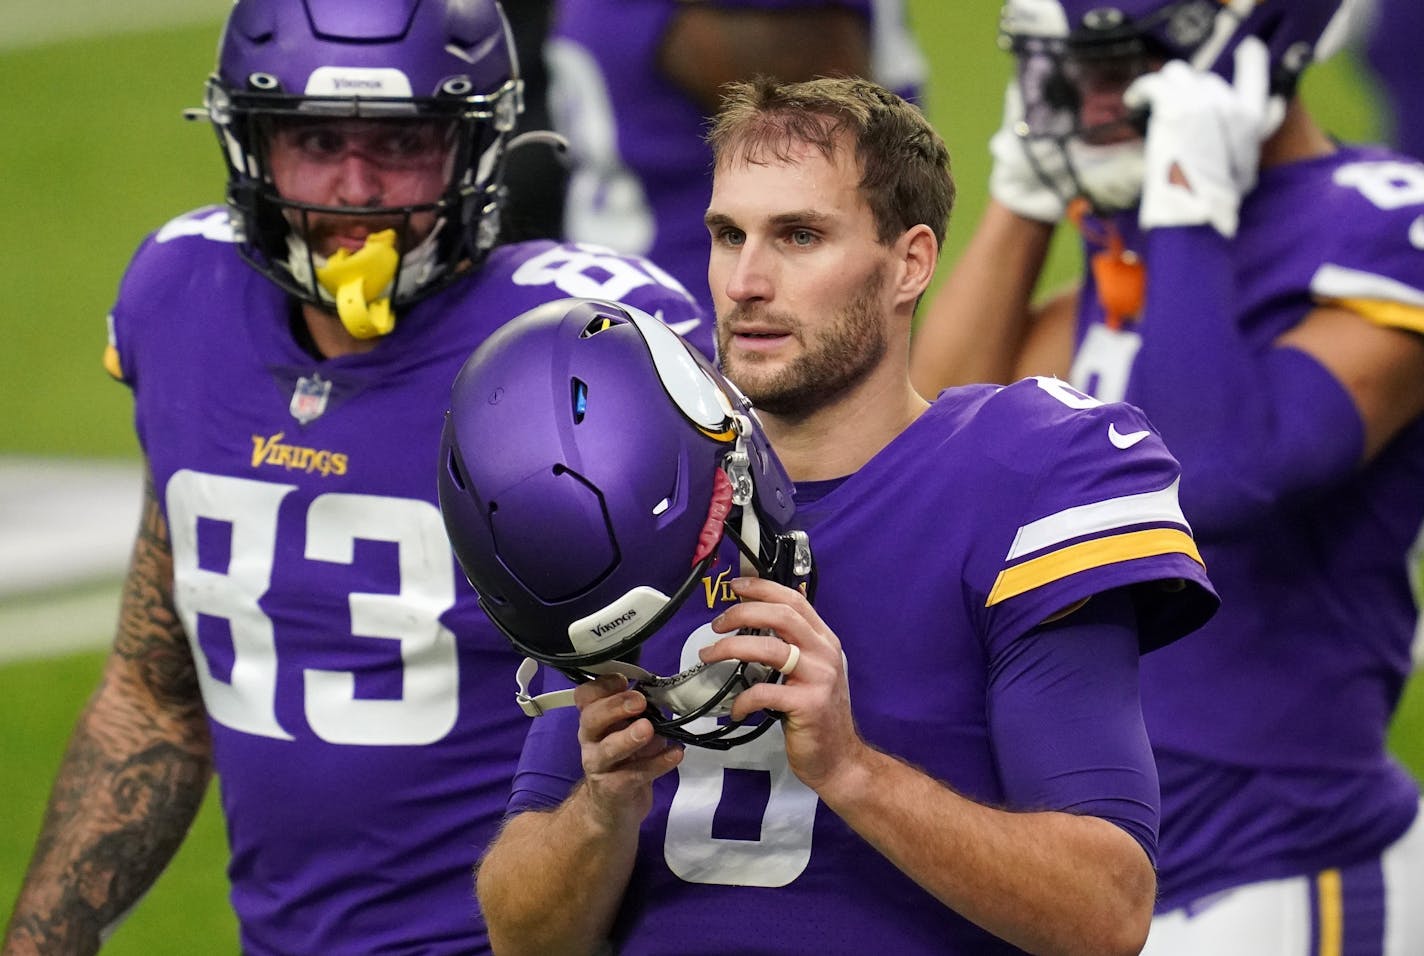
(686, 692)
(738, 466)
(359, 280)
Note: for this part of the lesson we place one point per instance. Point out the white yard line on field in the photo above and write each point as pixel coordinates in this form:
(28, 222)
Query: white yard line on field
(64, 525)
(63, 521)
(54, 625)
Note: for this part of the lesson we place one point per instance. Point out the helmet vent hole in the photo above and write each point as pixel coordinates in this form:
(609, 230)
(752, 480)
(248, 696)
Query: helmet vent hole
(263, 81)
(453, 464)
(599, 324)
(580, 400)
(662, 506)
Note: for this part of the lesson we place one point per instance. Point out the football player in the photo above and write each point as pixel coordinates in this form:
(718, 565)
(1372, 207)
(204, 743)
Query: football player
(632, 83)
(1257, 288)
(293, 620)
(961, 766)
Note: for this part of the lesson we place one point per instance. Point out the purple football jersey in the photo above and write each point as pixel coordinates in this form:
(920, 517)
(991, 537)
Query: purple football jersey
(642, 174)
(1269, 724)
(994, 510)
(359, 700)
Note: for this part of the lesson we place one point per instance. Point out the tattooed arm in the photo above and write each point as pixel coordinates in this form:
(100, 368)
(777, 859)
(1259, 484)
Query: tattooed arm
(134, 775)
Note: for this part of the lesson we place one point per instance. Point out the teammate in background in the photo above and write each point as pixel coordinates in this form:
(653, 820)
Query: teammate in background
(293, 620)
(1257, 289)
(534, 207)
(990, 567)
(633, 83)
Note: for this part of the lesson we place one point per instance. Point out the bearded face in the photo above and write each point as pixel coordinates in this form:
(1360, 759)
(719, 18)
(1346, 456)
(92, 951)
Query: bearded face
(830, 358)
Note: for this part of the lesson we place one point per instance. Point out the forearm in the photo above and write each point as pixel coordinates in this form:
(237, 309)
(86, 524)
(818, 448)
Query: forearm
(1252, 425)
(1046, 882)
(977, 323)
(120, 806)
(133, 777)
(552, 882)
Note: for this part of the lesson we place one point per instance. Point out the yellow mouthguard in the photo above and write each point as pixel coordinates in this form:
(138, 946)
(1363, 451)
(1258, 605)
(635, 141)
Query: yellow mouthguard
(356, 278)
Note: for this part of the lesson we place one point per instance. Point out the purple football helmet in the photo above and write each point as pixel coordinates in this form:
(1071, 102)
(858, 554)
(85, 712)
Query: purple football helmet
(590, 463)
(1066, 49)
(447, 61)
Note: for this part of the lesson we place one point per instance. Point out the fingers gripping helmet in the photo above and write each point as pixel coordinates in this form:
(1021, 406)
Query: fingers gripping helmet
(590, 463)
(448, 61)
(1063, 47)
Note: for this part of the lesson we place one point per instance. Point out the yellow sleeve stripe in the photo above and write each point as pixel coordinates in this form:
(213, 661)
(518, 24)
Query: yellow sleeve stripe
(1394, 315)
(1378, 298)
(112, 365)
(1022, 578)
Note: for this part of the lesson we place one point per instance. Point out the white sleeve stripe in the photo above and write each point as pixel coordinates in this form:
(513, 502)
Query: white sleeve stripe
(1338, 282)
(1100, 516)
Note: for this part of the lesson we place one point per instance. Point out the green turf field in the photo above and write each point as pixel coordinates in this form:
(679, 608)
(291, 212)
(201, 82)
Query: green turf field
(94, 156)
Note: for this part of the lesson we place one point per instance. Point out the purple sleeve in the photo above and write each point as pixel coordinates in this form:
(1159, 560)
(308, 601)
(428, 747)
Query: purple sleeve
(1217, 402)
(550, 765)
(1066, 720)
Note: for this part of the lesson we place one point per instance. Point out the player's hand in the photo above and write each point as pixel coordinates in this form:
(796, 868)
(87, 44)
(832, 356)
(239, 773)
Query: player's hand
(821, 739)
(621, 754)
(1013, 180)
(1204, 139)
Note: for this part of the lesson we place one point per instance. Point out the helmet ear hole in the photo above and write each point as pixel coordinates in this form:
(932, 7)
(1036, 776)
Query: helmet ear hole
(580, 399)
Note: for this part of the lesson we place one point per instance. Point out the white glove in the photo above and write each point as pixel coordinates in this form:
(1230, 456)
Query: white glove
(1013, 180)
(1204, 139)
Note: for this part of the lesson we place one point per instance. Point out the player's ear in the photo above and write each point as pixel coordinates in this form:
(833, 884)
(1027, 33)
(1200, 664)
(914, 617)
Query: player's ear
(916, 255)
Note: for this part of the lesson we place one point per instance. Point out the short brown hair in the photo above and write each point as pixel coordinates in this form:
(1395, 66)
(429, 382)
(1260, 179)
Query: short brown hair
(904, 163)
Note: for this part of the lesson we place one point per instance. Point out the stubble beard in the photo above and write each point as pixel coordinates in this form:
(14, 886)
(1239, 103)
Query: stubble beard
(839, 358)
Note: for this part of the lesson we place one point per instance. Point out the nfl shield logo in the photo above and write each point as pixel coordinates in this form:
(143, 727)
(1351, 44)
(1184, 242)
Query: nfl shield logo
(309, 398)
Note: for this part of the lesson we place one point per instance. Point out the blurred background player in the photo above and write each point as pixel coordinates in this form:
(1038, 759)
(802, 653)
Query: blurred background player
(633, 83)
(1032, 562)
(1258, 290)
(293, 620)
(534, 206)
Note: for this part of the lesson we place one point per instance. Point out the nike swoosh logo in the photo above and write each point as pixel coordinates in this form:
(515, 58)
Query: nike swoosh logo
(1416, 233)
(1122, 441)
